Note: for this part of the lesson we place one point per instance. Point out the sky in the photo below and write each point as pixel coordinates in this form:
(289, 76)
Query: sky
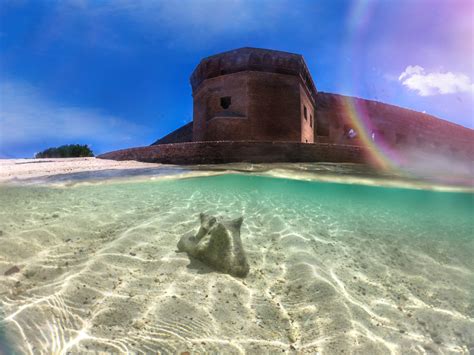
(115, 74)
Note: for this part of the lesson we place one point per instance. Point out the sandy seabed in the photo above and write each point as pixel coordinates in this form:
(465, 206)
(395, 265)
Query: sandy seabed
(334, 269)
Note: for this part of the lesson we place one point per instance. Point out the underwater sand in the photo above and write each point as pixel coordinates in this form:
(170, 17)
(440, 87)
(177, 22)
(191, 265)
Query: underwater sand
(334, 268)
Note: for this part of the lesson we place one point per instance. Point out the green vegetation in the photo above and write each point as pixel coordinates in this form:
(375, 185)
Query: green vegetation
(66, 151)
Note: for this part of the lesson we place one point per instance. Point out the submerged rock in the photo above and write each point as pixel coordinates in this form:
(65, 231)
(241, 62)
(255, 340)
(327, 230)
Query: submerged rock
(11, 271)
(218, 245)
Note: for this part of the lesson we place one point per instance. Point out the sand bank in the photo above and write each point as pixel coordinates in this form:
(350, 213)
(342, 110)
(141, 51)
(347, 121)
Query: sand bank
(22, 169)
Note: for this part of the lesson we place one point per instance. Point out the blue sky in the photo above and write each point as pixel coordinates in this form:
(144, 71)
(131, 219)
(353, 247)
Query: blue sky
(115, 74)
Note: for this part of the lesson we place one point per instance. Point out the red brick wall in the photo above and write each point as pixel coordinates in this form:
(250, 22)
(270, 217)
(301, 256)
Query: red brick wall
(266, 88)
(210, 118)
(399, 128)
(307, 123)
(252, 59)
(274, 101)
(226, 152)
(264, 106)
(227, 128)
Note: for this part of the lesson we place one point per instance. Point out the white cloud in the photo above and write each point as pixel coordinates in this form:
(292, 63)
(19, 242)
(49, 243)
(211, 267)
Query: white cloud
(411, 70)
(27, 117)
(436, 83)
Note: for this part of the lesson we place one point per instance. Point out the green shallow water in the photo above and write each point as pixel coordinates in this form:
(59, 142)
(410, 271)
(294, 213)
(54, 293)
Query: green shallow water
(334, 267)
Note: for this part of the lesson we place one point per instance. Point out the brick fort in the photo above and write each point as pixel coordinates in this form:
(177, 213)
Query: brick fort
(260, 105)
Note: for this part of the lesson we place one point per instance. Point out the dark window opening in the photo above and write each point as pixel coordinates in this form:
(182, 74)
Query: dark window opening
(349, 132)
(311, 120)
(305, 113)
(377, 135)
(400, 138)
(226, 101)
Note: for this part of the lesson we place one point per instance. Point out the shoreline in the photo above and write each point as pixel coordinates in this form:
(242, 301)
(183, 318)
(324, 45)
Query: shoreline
(24, 169)
(65, 171)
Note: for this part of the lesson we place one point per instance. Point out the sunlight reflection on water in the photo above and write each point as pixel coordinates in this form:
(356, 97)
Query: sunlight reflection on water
(333, 266)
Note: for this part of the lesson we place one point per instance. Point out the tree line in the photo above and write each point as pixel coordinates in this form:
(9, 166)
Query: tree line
(66, 151)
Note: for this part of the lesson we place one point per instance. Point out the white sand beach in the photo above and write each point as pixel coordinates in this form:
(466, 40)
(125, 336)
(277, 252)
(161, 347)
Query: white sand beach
(22, 169)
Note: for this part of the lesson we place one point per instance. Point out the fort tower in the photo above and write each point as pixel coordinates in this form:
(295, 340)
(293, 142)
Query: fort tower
(254, 95)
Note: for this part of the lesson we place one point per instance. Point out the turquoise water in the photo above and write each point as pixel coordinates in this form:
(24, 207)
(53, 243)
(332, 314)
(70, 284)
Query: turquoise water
(333, 267)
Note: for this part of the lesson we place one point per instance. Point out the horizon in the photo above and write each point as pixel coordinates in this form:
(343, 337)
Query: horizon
(116, 74)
